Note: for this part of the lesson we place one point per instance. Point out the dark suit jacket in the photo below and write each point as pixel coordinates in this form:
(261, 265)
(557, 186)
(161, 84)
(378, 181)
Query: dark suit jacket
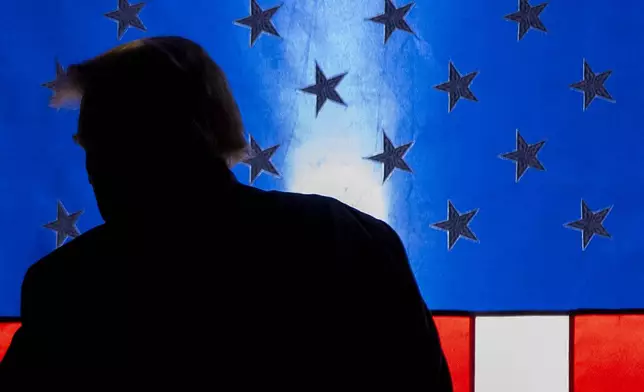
(250, 287)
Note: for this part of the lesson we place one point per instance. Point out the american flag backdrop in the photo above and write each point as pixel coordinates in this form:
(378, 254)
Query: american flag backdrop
(501, 140)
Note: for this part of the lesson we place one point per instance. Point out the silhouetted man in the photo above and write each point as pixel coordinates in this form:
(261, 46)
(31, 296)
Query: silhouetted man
(198, 278)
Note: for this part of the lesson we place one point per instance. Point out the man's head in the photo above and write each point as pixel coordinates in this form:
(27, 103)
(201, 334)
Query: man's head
(152, 111)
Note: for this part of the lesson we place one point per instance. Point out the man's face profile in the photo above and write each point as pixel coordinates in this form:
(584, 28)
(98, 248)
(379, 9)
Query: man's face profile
(102, 169)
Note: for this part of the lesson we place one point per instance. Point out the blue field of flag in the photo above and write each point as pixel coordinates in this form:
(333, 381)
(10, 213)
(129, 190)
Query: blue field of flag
(501, 139)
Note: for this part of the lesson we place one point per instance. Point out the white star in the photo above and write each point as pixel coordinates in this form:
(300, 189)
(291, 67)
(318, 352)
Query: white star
(525, 156)
(527, 17)
(392, 157)
(260, 160)
(325, 89)
(259, 21)
(456, 225)
(127, 15)
(593, 86)
(458, 86)
(63, 93)
(64, 225)
(393, 19)
(60, 74)
(590, 224)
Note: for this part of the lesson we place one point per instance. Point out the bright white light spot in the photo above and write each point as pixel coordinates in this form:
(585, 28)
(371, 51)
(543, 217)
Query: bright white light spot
(333, 166)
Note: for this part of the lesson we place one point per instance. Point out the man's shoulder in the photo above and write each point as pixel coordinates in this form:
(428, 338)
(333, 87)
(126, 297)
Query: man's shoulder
(289, 202)
(316, 207)
(71, 255)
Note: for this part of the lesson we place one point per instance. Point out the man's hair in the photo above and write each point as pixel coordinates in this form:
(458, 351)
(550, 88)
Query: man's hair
(174, 79)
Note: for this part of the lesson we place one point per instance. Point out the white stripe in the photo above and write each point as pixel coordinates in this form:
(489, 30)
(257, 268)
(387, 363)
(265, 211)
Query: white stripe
(521, 353)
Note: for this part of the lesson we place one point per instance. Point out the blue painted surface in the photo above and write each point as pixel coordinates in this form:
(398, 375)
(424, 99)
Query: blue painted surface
(525, 259)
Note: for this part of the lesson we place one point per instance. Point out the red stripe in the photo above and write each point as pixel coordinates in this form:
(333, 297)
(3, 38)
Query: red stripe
(6, 334)
(456, 335)
(571, 355)
(609, 353)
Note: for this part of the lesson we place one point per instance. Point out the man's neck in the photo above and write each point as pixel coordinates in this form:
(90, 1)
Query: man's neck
(166, 193)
